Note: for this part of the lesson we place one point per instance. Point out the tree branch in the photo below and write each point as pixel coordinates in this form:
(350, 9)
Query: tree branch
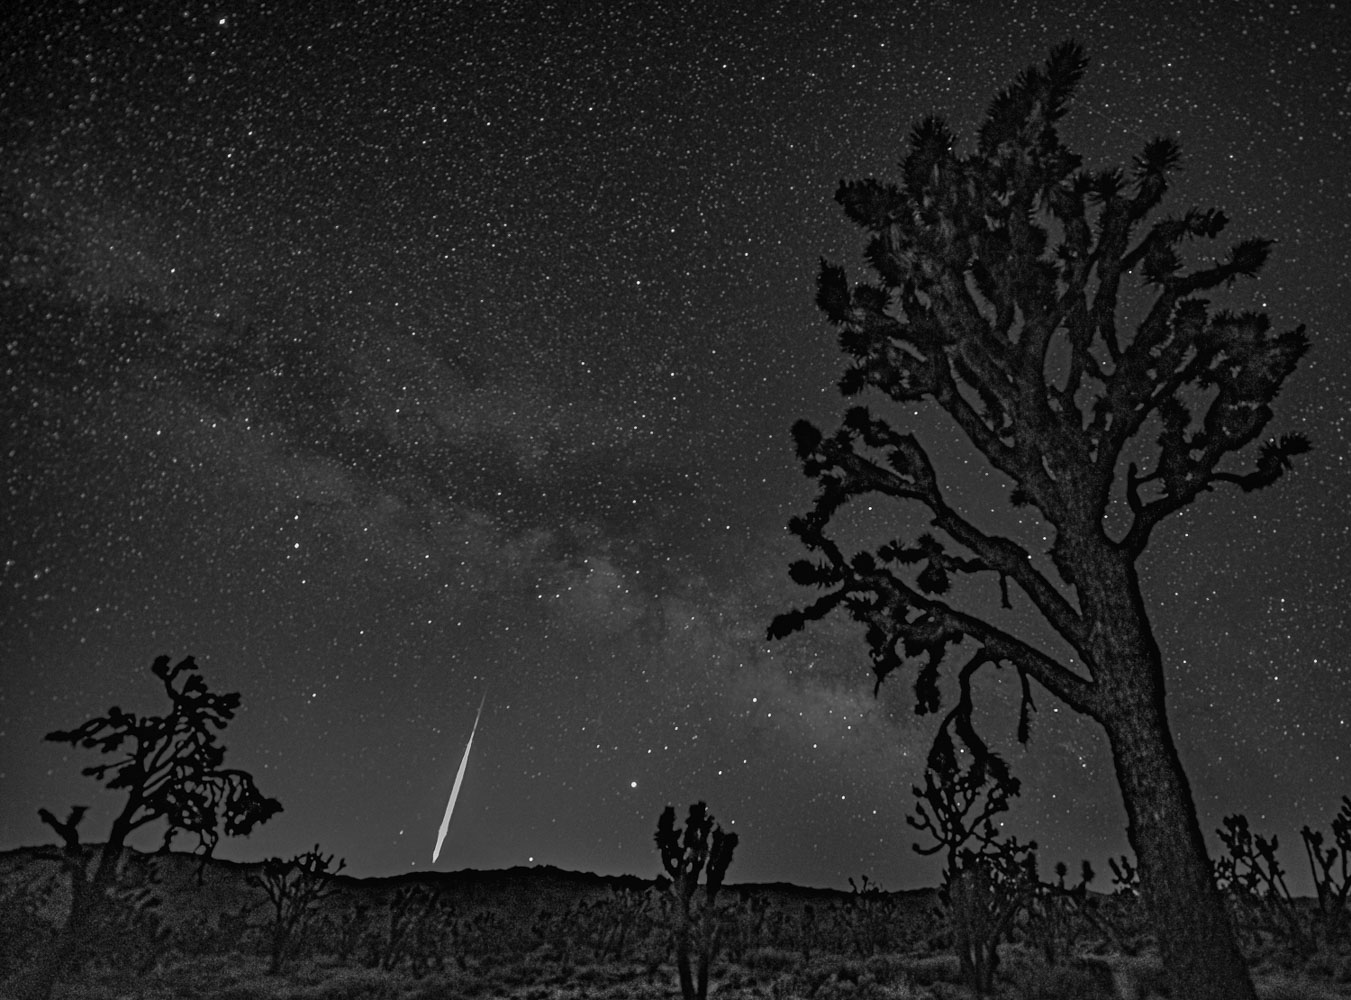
(901, 613)
(68, 830)
(915, 479)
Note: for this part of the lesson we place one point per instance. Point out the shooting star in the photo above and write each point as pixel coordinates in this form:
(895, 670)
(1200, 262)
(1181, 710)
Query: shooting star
(455, 789)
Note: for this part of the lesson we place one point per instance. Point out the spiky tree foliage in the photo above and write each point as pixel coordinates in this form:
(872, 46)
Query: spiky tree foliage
(983, 897)
(703, 849)
(957, 806)
(1331, 870)
(171, 765)
(997, 279)
(1250, 874)
(987, 878)
(1059, 914)
(294, 890)
(171, 769)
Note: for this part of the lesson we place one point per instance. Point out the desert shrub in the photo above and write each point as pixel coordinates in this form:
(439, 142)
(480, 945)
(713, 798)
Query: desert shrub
(820, 971)
(402, 934)
(886, 968)
(438, 933)
(294, 890)
(342, 929)
(243, 991)
(743, 925)
(1067, 981)
(1288, 986)
(799, 929)
(439, 987)
(354, 984)
(126, 934)
(186, 977)
(768, 959)
(24, 928)
(1327, 965)
(203, 934)
(871, 915)
(613, 926)
(491, 937)
(932, 969)
(617, 924)
(851, 978)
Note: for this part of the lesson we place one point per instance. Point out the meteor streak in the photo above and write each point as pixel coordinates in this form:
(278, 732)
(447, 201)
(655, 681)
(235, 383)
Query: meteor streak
(455, 789)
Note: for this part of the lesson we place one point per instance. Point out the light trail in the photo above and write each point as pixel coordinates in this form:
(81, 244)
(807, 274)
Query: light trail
(455, 789)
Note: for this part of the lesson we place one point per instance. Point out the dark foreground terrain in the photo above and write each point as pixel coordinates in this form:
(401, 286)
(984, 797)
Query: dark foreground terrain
(184, 930)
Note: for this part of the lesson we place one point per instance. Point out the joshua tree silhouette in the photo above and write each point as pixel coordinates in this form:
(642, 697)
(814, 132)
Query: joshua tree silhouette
(170, 767)
(998, 277)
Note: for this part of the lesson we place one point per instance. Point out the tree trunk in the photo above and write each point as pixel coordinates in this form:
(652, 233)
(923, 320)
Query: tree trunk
(87, 898)
(701, 986)
(1195, 936)
(682, 950)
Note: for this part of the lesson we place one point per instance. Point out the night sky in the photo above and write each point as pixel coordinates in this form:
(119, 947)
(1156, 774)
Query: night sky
(416, 351)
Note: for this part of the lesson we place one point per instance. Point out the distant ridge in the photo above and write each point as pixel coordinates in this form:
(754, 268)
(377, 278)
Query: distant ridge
(177, 871)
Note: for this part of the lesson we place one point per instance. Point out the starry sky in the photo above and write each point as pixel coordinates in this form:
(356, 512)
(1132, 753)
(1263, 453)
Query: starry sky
(393, 355)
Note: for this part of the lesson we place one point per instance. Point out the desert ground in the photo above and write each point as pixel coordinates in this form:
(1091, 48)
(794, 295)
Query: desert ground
(186, 930)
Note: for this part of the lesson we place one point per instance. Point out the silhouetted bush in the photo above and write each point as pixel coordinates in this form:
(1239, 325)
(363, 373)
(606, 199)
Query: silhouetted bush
(24, 929)
(346, 929)
(407, 908)
(294, 889)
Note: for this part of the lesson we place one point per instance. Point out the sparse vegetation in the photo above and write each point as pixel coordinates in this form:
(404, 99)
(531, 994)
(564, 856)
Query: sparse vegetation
(294, 890)
(1253, 882)
(1272, 921)
(1331, 870)
(1060, 915)
(542, 935)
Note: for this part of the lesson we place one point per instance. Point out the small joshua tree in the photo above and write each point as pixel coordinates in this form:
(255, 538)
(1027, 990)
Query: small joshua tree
(987, 879)
(1331, 870)
(171, 769)
(703, 848)
(957, 805)
(411, 911)
(1252, 878)
(1122, 917)
(984, 897)
(871, 914)
(1059, 914)
(294, 891)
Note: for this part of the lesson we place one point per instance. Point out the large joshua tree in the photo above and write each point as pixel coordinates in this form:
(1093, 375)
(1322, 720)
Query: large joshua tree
(997, 281)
